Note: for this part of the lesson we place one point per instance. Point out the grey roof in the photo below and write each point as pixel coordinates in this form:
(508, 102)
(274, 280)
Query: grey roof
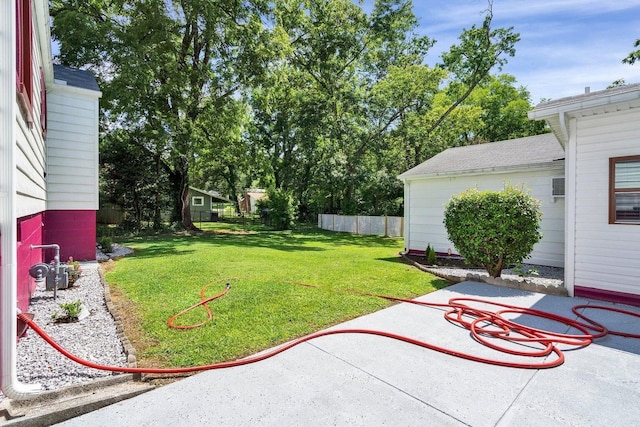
(590, 99)
(75, 77)
(211, 193)
(511, 154)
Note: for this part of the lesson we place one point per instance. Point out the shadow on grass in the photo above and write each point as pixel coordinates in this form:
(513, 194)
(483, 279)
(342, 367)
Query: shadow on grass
(437, 284)
(306, 239)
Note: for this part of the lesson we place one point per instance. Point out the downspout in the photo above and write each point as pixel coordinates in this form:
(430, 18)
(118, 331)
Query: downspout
(406, 233)
(10, 385)
(569, 208)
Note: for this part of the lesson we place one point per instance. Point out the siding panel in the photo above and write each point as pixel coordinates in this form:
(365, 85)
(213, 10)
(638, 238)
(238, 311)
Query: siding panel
(427, 198)
(72, 150)
(30, 158)
(606, 255)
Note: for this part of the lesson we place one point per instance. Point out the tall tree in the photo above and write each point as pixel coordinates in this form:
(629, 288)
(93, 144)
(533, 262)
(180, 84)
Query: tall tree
(163, 64)
(480, 50)
(504, 110)
(320, 116)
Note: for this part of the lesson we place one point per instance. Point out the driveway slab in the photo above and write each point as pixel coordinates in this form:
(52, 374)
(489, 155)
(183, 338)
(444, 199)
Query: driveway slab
(358, 379)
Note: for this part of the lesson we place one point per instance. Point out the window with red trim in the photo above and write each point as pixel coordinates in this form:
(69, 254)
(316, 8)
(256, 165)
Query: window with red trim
(24, 60)
(624, 190)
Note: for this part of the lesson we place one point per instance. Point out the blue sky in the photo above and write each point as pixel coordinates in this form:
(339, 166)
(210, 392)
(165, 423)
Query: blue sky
(565, 45)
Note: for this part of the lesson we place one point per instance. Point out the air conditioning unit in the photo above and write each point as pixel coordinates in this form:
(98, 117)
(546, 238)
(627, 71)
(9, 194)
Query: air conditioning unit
(557, 187)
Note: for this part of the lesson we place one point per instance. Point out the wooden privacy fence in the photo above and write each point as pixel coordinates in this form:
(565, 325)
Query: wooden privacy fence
(373, 225)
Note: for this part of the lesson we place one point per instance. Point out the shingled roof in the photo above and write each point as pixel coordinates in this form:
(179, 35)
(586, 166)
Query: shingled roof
(517, 153)
(75, 77)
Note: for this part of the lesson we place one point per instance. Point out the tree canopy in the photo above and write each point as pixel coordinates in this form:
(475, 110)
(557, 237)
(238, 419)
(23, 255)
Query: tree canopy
(315, 98)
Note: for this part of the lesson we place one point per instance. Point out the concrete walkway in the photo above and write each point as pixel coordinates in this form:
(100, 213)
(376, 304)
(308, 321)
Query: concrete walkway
(369, 380)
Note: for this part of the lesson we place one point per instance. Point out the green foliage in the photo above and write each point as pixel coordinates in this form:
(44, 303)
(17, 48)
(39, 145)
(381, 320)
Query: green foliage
(430, 255)
(493, 228)
(71, 312)
(522, 272)
(504, 110)
(132, 177)
(73, 270)
(321, 99)
(105, 243)
(633, 55)
(281, 209)
(174, 69)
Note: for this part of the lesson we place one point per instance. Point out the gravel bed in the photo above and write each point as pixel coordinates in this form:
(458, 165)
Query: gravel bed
(547, 276)
(93, 337)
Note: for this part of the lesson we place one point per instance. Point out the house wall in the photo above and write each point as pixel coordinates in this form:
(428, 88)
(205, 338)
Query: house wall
(30, 160)
(30, 232)
(56, 179)
(604, 256)
(424, 210)
(200, 213)
(74, 231)
(30, 153)
(72, 149)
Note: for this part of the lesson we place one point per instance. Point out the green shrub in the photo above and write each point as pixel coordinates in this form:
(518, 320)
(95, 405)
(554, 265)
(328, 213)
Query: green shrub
(281, 209)
(493, 229)
(105, 244)
(430, 255)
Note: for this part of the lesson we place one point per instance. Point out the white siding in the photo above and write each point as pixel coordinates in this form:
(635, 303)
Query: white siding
(425, 200)
(606, 255)
(72, 149)
(30, 153)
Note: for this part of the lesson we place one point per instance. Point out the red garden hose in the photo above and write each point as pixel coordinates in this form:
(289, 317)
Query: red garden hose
(486, 326)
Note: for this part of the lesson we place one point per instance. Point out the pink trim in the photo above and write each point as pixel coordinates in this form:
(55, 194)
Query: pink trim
(606, 295)
(419, 252)
(30, 232)
(74, 231)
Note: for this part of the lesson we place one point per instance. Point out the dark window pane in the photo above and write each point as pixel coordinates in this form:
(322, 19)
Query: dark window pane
(628, 207)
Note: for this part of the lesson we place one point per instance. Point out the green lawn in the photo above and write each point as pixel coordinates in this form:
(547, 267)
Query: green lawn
(263, 307)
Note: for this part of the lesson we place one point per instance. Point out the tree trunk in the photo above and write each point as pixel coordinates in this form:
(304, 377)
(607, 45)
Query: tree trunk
(495, 268)
(157, 210)
(187, 222)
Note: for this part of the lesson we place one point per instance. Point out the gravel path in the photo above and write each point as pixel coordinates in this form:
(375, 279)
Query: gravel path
(93, 338)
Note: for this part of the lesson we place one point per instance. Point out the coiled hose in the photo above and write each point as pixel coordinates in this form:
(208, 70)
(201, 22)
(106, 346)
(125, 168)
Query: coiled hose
(486, 326)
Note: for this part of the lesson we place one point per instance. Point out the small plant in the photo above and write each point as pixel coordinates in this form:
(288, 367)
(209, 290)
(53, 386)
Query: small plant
(73, 270)
(71, 312)
(520, 271)
(430, 255)
(105, 244)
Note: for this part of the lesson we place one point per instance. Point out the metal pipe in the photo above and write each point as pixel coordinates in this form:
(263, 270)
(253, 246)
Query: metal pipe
(56, 260)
